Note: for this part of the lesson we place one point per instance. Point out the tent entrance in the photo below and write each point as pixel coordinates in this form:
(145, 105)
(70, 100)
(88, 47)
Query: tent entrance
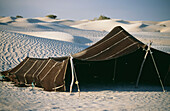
(89, 72)
(123, 69)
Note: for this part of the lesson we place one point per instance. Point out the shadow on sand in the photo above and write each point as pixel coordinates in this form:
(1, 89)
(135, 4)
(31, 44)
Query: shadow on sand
(121, 87)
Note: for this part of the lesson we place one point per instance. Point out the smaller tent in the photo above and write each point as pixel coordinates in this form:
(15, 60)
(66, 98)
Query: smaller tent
(118, 57)
(46, 73)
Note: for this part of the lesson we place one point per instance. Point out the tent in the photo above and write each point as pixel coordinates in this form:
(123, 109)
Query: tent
(118, 57)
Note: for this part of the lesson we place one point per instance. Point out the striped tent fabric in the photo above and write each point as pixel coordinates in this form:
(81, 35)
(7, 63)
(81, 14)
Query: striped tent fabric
(46, 73)
(117, 43)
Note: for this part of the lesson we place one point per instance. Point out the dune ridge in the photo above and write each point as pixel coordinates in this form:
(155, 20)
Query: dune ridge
(131, 26)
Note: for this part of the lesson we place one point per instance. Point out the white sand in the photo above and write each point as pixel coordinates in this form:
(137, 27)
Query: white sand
(131, 26)
(115, 98)
(45, 37)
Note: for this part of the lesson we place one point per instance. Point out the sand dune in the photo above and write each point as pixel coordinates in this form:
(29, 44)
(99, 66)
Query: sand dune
(99, 25)
(132, 26)
(7, 19)
(36, 37)
(43, 37)
(15, 47)
(165, 23)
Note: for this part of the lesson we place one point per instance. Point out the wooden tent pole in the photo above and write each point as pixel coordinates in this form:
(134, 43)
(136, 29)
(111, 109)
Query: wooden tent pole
(72, 71)
(140, 72)
(157, 71)
(77, 83)
(73, 74)
(149, 50)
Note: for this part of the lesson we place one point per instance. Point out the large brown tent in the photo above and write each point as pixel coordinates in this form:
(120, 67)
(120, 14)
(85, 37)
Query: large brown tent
(118, 57)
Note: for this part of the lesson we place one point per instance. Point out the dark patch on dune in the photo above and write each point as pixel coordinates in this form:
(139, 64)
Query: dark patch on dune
(143, 25)
(34, 21)
(122, 21)
(81, 40)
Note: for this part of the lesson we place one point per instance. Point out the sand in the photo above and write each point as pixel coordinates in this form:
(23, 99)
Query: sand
(130, 26)
(117, 98)
(44, 37)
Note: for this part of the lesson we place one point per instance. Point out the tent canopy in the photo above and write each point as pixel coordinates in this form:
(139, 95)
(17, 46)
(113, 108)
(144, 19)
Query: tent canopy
(115, 44)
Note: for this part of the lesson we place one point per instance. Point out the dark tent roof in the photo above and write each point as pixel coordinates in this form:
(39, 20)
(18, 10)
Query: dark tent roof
(115, 44)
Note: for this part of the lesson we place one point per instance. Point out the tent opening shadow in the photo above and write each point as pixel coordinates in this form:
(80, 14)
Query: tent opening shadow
(121, 87)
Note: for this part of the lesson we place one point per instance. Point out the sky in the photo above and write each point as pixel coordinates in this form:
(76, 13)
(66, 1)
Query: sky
(146, 10)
